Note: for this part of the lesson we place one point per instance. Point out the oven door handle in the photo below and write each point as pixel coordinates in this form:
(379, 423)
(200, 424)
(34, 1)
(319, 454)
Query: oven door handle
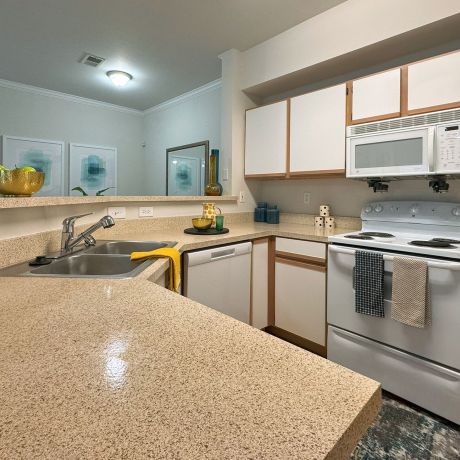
(442, 265)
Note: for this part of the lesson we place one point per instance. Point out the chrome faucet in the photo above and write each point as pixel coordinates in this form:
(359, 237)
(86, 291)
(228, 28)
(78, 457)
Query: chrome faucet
(68, 239)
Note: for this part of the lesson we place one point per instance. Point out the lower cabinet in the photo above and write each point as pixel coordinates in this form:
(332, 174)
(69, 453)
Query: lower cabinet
(300, 299)
(300, 292)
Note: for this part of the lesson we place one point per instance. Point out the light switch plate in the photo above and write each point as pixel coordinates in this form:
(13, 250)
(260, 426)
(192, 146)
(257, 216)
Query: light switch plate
(242, 198)
(225, 174)
(145, 211)
(307, 198)
(117, 212)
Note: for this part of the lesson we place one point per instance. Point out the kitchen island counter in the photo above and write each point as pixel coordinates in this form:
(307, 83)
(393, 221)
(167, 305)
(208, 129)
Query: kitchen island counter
(126, 369)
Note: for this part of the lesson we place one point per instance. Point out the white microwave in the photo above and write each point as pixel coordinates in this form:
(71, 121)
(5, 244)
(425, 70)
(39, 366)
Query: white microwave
(394, 149)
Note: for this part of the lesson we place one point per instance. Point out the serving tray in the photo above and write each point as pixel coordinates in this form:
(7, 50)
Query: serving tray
(208, 231)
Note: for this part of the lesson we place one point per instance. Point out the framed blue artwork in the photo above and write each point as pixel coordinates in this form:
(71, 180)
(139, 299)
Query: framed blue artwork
(92, 169)
(43, 155)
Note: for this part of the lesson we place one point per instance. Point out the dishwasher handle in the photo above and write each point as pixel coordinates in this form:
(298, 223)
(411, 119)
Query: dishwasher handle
(223, 254)
(216, 254)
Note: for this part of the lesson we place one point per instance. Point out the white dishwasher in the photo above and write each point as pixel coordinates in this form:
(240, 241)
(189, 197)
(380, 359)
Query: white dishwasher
(220, 278)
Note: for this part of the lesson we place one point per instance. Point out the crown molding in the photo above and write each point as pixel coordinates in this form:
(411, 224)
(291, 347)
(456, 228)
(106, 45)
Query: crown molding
(83, 100)
(178, 99)
(67, 97)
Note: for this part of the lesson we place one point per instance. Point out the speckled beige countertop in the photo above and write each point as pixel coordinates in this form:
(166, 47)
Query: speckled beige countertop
(238, 232)
(124, 369)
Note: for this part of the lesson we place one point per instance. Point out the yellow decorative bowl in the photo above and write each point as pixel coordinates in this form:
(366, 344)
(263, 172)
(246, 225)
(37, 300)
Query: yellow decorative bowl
(20, 183)
(202, 223)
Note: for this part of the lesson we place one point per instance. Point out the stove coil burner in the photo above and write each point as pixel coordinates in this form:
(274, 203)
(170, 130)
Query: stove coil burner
(446, 240)
(377, 234)
(359, 237)
(433, 244)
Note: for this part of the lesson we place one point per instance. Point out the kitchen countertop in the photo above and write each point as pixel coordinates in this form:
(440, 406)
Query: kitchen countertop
(238, 232)
(104, 369)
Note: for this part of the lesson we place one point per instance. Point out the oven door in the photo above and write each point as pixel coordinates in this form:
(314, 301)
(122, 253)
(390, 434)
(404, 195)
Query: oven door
(391, 154)
(438, 342)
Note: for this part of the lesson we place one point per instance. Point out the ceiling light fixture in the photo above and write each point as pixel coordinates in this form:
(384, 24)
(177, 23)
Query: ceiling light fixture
(119, 78)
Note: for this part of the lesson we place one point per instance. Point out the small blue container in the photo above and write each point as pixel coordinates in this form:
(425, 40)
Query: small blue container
(260, 214)
(262, 204)
(273, 215)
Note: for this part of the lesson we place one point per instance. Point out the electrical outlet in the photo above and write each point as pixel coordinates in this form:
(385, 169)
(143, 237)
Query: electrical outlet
(145, 211)
(225, 174)
(307, 198)
(242, 197)
(117, 213)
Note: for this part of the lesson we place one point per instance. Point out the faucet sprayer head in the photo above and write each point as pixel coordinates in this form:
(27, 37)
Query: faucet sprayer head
(107, 221)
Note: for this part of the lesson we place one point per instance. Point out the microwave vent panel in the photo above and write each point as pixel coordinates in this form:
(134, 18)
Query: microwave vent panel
(445, 116)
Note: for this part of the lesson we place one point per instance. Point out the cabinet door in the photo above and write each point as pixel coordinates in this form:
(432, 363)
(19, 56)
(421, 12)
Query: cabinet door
(259, 284)
(266, 140)
(376, 97)
(300, 299)
(434, 84)
(317, 130)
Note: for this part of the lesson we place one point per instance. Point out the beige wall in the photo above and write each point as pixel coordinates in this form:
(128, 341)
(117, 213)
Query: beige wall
(346, 196)
(345, 28)
(234, 106)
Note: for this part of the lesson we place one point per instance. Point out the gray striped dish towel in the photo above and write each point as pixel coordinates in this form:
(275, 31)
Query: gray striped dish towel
(368, 282)
(410, 292)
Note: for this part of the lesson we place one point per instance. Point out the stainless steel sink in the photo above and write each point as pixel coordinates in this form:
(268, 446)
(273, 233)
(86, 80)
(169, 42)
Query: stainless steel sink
(127, 247)
(89, 265)
(108, 259)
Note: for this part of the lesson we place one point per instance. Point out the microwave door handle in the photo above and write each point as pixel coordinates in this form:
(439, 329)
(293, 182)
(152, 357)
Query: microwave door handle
(431, 146)
(441, 265)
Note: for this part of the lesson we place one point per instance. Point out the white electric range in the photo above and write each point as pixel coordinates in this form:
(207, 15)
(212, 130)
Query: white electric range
(420, 365)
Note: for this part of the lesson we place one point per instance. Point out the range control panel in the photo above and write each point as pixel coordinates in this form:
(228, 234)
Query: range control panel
(448, 149)
(421, 212)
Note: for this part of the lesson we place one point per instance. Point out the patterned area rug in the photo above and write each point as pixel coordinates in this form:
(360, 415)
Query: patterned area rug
(404, 432)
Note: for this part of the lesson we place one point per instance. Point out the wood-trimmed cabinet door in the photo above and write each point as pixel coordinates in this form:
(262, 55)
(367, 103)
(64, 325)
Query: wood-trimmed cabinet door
(300, 299)
(266, 141)
(376, 97)
(317, 133)
(434, 84)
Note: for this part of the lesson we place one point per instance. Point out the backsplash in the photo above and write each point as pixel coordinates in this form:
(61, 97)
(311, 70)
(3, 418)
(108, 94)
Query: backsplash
(346, 196)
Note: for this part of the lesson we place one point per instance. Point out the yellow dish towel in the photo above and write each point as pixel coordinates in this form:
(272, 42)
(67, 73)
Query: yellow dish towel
(174, 263)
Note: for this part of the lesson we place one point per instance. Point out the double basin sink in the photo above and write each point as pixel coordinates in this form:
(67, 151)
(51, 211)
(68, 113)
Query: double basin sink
(108, 259)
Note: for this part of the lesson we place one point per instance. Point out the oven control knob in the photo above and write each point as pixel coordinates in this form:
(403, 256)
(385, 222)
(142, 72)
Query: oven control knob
(414, 209)
(456, 212)
(368, 209)
(378, 208)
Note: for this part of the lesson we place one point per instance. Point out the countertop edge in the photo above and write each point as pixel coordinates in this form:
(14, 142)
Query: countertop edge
(40, 201)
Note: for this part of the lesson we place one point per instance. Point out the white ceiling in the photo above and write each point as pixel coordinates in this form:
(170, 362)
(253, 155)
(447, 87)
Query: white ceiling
(169, 46)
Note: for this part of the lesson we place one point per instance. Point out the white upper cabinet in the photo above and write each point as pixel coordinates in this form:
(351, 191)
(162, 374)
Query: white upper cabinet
(376, 97)
(434, 83)
(317, 130)
(266, 140)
